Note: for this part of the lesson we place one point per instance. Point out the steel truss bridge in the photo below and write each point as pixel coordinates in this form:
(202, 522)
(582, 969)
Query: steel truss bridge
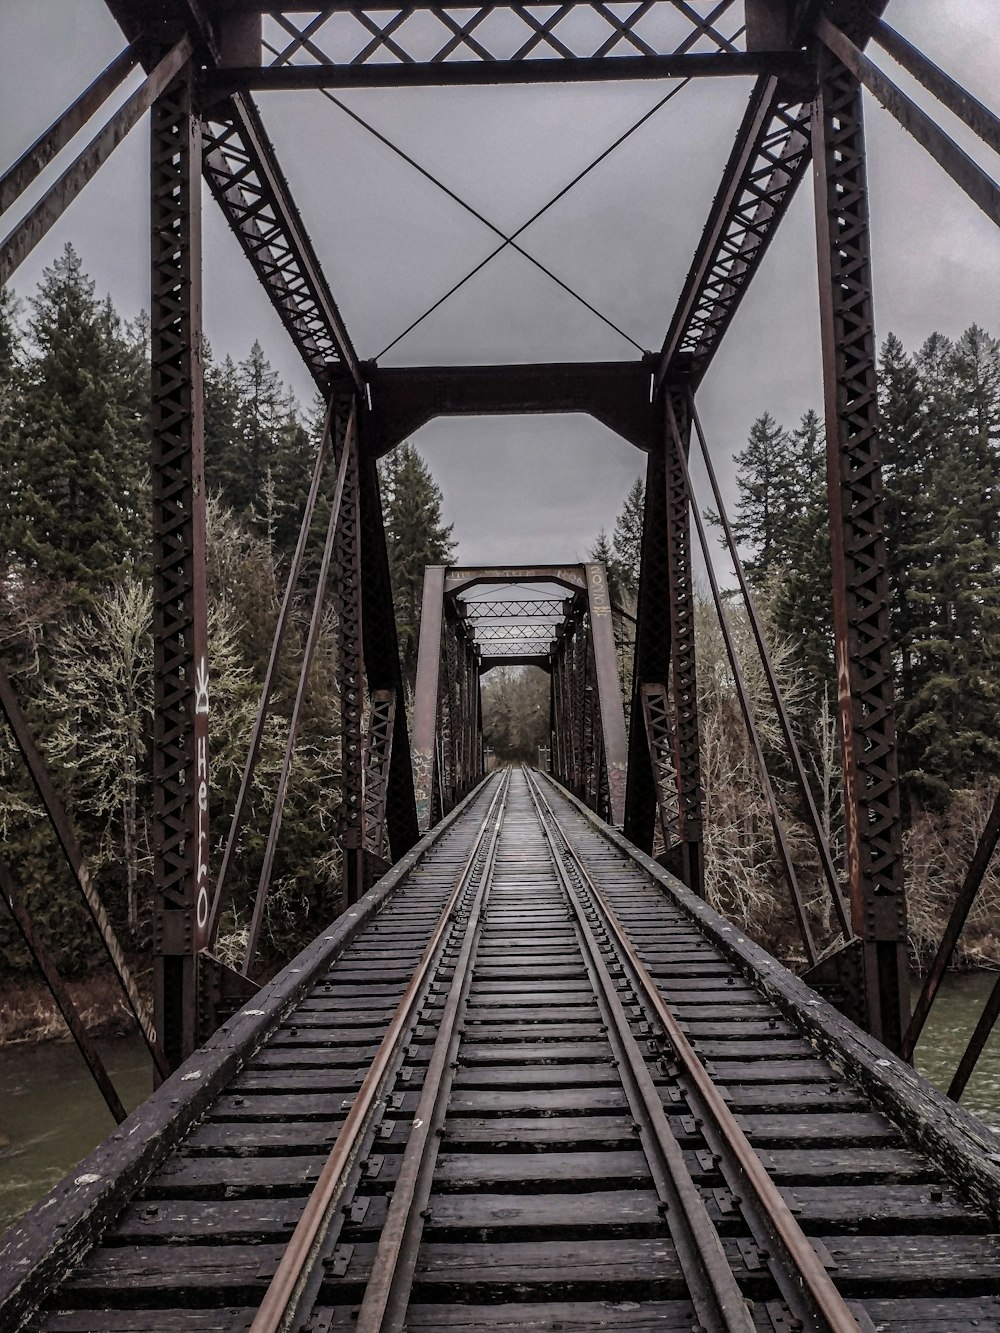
(527, 1078)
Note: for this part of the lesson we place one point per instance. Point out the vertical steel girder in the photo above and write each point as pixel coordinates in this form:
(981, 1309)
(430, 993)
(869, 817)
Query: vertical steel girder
(378, 750)
(683, 674)
(652, 652)
(873, 826)
(350, 665)
(447, 710)
(665, 656)
(381, 647)
(425, 704)
(180, 635)
(656, 718)
(609, 692)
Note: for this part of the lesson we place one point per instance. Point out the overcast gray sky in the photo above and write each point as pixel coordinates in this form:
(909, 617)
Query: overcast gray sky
(532, 488)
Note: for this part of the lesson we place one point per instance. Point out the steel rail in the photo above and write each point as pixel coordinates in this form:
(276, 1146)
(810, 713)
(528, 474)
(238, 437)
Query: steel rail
(718, 1301)
(387, 1294)
(810, 1280)
(302, 1253)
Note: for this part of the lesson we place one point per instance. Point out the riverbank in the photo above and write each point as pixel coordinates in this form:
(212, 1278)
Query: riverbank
(29, 1016)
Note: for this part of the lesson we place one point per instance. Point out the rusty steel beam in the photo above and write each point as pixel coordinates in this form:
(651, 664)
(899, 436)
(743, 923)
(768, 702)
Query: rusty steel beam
(977, 1042)
(180, 625)
(378, 750)
(652, 652)
(980, 119)
(609, 690)
(872, 818)
(347, 601)
(615, 392)
(57, 989)
(461, 579)
(425, 702)
(677, 500)
(769, 159)
(52, 141)
(964, 171)
(381, 646)
(46, 213)
(243, 174)
(487, 73)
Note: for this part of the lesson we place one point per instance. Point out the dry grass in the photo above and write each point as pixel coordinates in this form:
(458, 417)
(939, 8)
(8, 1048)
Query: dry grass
(29, 1014)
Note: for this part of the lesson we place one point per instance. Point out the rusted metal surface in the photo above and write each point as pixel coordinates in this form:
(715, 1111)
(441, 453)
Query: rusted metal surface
(46, 213)
(963, 169)
(609, 690)
(983, 122)
(33, 161)
(378, 751)
(615, 392)
(683, 667)
(248, 185)
(873, 824)
(347, 599)
(180, 837)
(425, 702)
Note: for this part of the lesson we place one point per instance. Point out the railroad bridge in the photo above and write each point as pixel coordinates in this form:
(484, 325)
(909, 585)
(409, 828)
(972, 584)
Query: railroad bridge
(527, 1078)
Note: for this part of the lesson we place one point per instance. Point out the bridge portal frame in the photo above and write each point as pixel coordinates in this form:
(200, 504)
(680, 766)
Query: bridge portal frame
(810, 67)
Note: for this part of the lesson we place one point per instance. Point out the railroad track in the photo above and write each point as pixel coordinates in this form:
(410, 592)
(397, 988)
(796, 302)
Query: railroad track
(534, 1094)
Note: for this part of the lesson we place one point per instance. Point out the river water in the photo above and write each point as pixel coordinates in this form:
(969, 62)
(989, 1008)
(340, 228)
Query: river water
(51, 1114)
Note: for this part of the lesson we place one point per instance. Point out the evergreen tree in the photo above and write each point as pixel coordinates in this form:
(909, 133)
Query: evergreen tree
(416, 537)
(627, 539)
(764, 485)
(802, 599)
(75, 466)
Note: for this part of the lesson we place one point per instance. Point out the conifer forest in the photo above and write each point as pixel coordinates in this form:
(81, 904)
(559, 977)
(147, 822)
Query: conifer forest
(75, 626)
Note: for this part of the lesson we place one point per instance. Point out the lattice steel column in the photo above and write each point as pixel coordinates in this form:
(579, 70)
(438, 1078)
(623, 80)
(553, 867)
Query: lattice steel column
(378, 749)
(857, 540)
(652, 652)
(180, 635)
(350, 667)
(684, 681)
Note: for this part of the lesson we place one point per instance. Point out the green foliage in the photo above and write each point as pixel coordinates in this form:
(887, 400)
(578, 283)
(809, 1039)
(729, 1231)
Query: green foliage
(75, 613)
(416, 537)
(940, 412)
(621, 553)
(74, 465)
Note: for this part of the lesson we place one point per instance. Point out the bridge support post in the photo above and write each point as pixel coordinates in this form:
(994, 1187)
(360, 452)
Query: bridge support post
(350, 666)
(180, 635)
(665, 661)
(872, 820)
(425, 704)
(381, 647)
